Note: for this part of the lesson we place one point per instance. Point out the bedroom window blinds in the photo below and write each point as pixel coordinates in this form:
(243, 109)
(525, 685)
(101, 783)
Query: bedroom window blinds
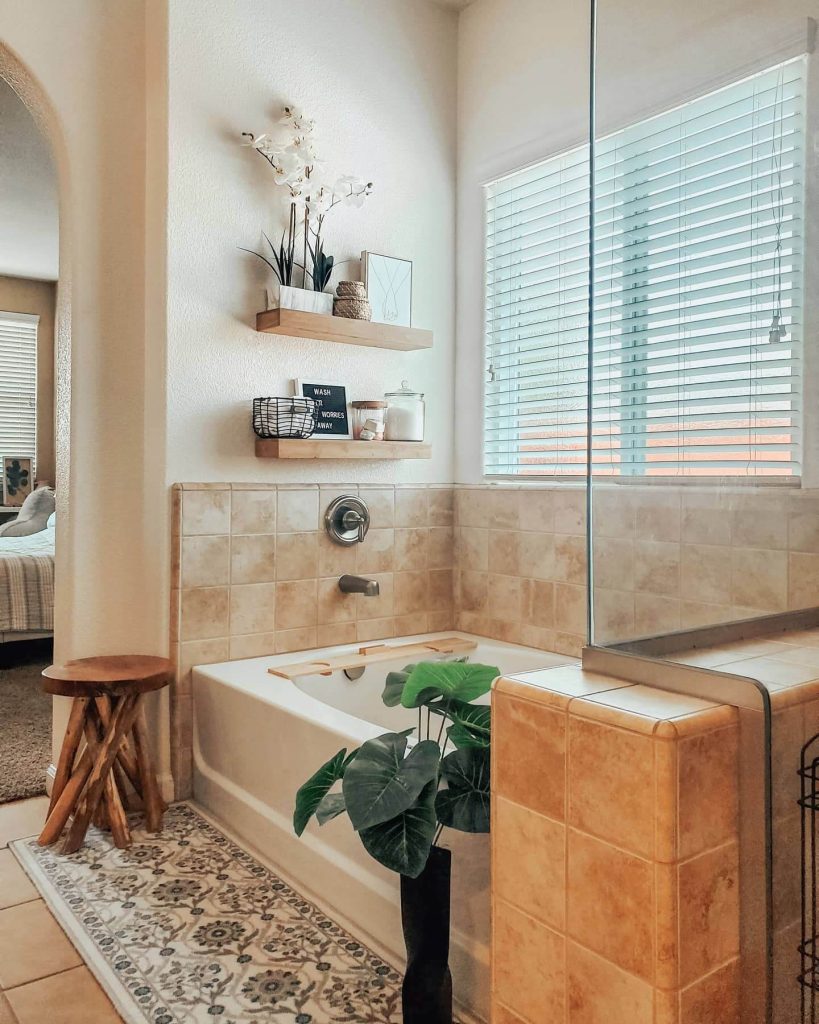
(18, 384)
(698, 292)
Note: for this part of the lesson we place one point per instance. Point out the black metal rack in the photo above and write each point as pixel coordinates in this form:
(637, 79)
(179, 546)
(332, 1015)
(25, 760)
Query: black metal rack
(809, 802)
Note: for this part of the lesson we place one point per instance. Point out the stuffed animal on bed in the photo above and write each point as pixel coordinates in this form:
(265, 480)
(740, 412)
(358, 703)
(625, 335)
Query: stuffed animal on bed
(33, 516)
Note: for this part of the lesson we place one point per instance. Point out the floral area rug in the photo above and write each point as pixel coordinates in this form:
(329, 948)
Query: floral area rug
(188, 928)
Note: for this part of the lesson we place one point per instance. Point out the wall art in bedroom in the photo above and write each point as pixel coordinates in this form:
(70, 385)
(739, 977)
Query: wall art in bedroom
(18, 480)
(388, 281)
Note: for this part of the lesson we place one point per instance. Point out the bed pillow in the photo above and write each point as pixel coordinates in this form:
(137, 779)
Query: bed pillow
(52, 521)
(33, 515)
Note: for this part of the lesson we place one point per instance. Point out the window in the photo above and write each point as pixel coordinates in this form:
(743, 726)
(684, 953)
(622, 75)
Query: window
(18, 384)
(697, 322)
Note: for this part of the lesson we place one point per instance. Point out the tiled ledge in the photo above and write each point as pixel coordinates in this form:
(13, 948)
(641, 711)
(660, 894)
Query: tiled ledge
(617, 702)
(634, 791)
(596, 793)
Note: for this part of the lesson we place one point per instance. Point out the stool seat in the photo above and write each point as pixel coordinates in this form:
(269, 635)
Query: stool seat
(107, 675)
(114, 768)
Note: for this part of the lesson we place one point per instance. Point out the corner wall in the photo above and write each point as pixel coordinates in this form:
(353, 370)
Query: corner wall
(380, 81)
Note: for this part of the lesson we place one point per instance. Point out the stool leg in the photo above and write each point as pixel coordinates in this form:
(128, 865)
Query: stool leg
(120, 832)
(110, 813)
(125, 756)
(122, 785)
(66, 802)
(94, 735)
(152, 798)
(121, 721)
(68, 752)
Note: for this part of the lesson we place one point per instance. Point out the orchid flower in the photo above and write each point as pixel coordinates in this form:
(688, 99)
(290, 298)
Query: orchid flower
(290, 150)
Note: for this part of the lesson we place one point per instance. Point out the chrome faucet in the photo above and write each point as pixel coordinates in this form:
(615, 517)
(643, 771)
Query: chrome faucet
(358, 585)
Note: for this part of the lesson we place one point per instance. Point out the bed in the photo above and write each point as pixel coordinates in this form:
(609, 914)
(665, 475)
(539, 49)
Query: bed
(27, 586)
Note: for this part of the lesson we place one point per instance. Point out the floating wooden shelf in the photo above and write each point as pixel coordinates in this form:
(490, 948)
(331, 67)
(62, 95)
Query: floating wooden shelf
(310, 448)
(295, 324)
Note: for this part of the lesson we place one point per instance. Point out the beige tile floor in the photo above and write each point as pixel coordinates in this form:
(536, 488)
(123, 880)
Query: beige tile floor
(42, 977)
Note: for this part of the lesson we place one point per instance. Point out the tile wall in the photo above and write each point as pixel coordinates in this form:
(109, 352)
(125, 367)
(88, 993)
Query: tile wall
(521, 565)
(665, 559)
(615, 842)
(254, 573)
(615, 854)
(687, 557)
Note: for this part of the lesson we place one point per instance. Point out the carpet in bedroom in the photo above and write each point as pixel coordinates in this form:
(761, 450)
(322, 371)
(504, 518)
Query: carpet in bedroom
(25, 731)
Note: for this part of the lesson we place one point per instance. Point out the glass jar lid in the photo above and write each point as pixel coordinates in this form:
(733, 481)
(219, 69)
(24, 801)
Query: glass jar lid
(405, 391)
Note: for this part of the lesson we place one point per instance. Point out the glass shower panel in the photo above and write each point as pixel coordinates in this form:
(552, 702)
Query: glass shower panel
(703, 433)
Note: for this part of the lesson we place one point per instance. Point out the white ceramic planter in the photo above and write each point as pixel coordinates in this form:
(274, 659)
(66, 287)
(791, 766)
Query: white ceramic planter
(307, 301)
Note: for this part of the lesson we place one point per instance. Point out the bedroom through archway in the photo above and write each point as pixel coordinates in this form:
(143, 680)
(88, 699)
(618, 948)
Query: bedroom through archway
(29, 268)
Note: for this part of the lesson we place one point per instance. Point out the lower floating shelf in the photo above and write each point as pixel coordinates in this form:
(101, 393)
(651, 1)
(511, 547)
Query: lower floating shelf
(309, 448)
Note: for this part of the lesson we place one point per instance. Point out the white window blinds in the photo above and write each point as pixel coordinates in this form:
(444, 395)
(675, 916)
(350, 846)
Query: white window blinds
(18, 385)
(697, 312)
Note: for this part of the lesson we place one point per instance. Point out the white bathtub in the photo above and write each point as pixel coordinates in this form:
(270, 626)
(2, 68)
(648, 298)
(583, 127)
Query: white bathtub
(257, 737)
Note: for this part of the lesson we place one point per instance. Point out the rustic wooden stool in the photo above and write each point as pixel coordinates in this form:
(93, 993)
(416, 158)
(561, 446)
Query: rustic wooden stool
(108, 694)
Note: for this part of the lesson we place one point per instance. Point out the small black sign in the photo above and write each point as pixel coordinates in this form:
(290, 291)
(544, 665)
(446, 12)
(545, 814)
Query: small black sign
(331, 404)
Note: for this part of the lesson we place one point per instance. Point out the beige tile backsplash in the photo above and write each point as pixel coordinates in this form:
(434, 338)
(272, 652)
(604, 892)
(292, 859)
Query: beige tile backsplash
(254, 572)
(665, 559)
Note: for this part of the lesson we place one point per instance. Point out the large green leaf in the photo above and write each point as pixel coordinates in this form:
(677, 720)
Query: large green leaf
(403, 843)
(381, 782)
(430, 680)
(330, 807)
(471, 723)
(394, 686)
(464, 804)
(316, 788)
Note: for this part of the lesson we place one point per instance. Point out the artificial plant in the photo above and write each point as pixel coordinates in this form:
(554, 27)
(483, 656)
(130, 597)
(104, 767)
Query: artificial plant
(400, 795)
(290, 150)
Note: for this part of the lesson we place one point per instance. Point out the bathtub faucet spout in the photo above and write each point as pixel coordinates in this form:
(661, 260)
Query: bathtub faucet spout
(358, 585)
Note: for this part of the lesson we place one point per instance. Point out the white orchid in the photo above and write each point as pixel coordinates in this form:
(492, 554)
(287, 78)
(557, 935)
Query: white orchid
(288, 169)
(266, 145)
(347, 183)
(290, 149)
(352, 191)
(355, 199)
(305, 150)
(297, 119)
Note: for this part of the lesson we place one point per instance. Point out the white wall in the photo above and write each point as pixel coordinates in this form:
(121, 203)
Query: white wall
(379, 78)
(107, 577)
(28, 194)
(523, 96)
(80, 67)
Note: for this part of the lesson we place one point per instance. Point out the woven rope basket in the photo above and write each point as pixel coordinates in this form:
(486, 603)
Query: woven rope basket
(353, 309)
(351, 290)
(352, 301)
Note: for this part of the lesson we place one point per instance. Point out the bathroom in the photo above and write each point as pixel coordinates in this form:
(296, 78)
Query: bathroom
(652, 636)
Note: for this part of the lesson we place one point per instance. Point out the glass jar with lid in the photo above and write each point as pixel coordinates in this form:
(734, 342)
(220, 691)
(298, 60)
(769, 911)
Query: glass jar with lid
(368, 420)
(405, 414)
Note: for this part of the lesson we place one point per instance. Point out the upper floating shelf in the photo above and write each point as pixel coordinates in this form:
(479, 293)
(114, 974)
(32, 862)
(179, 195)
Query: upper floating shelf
(296, 324)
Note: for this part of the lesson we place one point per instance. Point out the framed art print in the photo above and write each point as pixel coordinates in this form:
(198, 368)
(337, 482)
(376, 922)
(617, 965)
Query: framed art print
(331, 407)
(18, 480)
(388, 281)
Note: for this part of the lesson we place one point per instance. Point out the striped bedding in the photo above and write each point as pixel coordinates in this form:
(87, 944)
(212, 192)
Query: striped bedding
(27, 582)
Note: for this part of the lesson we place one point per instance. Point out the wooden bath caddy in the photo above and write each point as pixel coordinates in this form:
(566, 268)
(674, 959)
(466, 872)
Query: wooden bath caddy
(371, 654)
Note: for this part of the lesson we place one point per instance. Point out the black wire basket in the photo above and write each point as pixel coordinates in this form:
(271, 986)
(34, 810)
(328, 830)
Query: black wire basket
(284, 417)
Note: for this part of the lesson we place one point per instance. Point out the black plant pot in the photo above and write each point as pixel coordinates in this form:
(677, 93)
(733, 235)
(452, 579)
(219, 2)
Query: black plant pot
(426, 995)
